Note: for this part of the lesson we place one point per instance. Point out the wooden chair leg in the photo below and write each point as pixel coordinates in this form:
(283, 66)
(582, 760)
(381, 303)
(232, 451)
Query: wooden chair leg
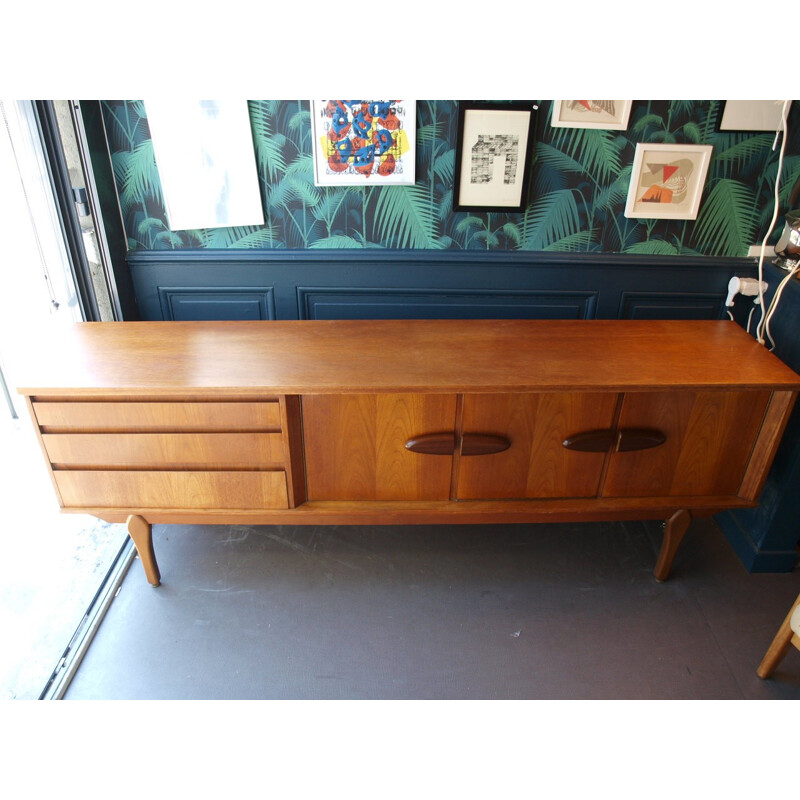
(779, 647)
(674, 531)
(141, 532)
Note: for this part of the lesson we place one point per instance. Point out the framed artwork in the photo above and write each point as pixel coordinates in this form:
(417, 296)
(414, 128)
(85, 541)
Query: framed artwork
(206, 162)
(363, 142)
(609, 115)
(493, 156)
(667, 180)
(752, 115)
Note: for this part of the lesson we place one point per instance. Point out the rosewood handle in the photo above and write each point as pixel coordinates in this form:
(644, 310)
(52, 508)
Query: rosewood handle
(433, 444)
(639, 439)
(591, 441)
(624, 441)
(444, 444)
(483, 444)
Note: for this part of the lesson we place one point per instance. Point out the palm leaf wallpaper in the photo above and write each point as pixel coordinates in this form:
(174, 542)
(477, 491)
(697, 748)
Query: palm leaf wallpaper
(576, 204)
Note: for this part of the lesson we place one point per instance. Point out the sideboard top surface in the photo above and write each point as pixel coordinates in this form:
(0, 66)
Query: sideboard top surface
(161, 359)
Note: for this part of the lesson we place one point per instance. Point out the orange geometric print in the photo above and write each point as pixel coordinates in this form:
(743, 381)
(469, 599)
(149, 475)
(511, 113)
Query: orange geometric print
(657, 194)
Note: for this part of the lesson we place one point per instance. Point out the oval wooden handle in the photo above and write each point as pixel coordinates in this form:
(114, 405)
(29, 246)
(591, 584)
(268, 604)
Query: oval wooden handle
(625, 440)
(444, 444)
(639, 439)
(483, 444)
(433, 444)
(591, 441)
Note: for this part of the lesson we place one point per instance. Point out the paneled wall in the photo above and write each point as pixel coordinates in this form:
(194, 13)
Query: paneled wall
(767, 538)
(311, 284)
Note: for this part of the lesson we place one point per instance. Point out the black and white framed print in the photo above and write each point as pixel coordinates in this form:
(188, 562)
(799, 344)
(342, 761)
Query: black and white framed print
(493, 156)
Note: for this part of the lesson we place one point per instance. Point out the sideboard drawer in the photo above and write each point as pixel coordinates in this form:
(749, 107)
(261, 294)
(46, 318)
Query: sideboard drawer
(99, 416)
(182, 490)
(220, 451)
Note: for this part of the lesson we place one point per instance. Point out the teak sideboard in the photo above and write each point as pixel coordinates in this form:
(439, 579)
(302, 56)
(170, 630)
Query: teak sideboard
(402, 422)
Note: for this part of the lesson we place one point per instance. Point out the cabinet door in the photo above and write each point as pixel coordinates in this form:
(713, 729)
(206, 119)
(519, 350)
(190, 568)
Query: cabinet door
(536, 464)
(355, 446)
(708, 440)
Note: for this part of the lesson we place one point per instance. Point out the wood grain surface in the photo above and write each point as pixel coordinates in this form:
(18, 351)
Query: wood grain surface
(536, 465)
(187, 490)
(355, 446)
(157, 359)
(709, 439)
(217, 451)
(133, 416)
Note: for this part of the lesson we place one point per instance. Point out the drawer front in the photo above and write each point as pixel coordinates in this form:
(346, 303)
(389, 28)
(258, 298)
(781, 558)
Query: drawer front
(182, 490)
(176, 416)
(160, 450)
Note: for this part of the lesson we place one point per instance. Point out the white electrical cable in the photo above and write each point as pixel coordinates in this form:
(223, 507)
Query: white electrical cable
(773, 307)
(767, 313)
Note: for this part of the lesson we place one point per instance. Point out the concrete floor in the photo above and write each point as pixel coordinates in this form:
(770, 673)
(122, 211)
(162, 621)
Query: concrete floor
(448, 612)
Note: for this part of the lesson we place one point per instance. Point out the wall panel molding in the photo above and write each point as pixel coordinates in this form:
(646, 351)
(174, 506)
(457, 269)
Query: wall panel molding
(671, 305)
(216, 302)
(449, 283)
(376, 256)
(375, 303)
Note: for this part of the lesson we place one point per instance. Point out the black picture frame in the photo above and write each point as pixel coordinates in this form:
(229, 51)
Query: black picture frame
(504, 128)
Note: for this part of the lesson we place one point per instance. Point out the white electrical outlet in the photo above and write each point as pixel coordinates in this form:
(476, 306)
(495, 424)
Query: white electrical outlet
(755, 251)
(745, 286)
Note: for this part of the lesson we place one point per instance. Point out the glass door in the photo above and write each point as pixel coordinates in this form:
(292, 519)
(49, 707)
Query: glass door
(53, 564)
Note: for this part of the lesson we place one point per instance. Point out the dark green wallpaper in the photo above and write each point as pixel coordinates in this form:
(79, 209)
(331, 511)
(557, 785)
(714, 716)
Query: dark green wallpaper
(578, 189)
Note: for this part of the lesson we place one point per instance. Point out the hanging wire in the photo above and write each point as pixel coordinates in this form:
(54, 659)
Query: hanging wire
(766, 314)
(54, 304)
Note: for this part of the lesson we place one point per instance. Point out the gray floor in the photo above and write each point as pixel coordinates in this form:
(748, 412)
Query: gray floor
(464, 612)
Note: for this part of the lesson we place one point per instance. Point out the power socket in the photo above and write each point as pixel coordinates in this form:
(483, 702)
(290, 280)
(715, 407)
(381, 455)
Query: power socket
(746, 286)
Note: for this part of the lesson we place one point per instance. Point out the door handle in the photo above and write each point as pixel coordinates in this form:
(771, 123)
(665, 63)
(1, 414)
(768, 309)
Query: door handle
(624, 440)
(472, 444)
(483, 444)
(639, 439)
(433, 444)
(591, 441)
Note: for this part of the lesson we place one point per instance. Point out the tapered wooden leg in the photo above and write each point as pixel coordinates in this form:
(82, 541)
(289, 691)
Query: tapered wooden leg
(141, 532)
(674, 531)
(780, 645)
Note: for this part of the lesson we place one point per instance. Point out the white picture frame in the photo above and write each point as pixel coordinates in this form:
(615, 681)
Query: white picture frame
(206, 162)
(608, 115)
(752, 115)
(667, 180)
(364, 142)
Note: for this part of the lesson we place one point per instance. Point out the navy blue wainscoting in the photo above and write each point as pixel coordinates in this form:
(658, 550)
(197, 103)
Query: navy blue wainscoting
(429, 284)
(766, 538)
